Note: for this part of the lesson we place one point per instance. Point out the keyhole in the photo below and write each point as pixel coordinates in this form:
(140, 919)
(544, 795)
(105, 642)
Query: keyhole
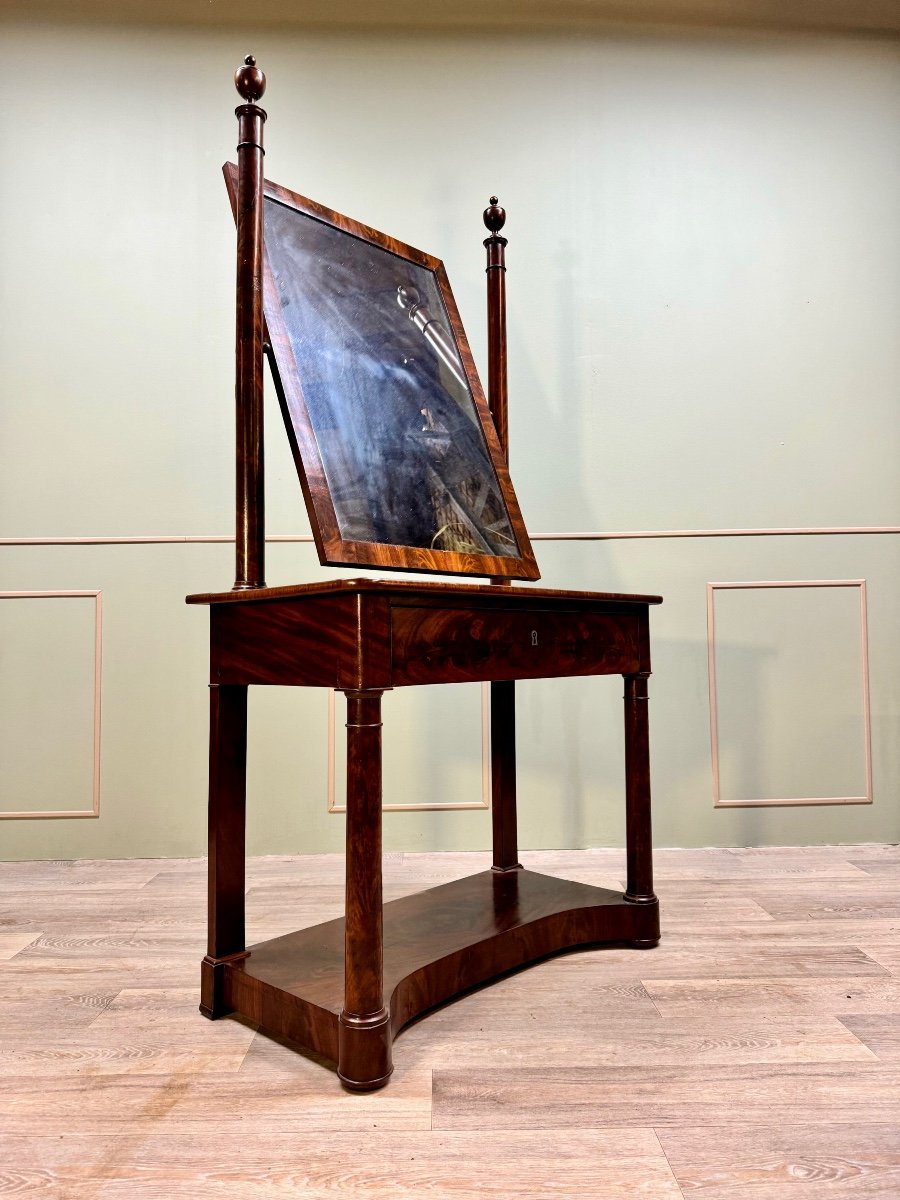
(534, 637)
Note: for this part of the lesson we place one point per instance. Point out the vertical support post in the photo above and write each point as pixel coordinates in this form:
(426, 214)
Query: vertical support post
(250, 494)
(503, 692)
(227, 813)
(638, 833)
(503, 776)
(364, 1027)
(494, 220)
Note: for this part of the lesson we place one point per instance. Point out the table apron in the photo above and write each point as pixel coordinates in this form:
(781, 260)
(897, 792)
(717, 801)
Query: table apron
(462, 645)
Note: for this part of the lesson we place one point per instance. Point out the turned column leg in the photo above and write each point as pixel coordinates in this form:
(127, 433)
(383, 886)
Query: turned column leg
(503, 776)
(638, 833)
(227, 807)
(364, 1034)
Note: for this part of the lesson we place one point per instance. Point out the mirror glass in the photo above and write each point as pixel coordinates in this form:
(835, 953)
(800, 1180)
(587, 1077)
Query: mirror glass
(391, 410)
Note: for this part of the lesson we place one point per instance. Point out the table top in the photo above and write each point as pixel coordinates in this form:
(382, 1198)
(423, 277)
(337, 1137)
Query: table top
(405, 588)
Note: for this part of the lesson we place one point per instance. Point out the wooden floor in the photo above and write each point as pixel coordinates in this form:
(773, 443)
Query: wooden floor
(755, 1055)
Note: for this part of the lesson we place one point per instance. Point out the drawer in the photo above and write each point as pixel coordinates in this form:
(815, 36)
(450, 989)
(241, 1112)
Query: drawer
(460, 645)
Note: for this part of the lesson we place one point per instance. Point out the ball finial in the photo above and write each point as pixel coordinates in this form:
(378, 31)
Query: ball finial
(249, 80)
(495, 216)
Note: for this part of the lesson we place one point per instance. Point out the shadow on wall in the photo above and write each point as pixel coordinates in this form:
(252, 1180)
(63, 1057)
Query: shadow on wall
(571, 754)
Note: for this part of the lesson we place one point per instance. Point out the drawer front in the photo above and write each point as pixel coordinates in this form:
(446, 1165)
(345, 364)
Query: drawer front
(439, 645)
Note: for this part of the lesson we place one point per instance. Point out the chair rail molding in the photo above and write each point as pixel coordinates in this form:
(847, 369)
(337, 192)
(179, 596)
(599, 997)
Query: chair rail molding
(157, 539)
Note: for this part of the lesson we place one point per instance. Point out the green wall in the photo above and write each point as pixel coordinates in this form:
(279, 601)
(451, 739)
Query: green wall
(704, 291)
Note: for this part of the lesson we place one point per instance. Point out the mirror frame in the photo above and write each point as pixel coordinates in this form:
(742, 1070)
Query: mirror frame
(332, 547)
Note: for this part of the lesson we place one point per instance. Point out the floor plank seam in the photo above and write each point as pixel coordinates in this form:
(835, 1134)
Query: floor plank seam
(669, 1164)
(652, 1001)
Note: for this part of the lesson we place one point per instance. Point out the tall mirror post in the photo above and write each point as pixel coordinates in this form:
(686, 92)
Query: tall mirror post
(494, 220)
(502, 692)
(250, 533)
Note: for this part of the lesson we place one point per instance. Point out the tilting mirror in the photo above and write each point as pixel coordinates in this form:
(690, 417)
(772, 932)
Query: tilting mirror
(395, 446)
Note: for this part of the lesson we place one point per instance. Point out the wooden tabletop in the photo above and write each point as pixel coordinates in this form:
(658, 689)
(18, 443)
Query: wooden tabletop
(514, 593)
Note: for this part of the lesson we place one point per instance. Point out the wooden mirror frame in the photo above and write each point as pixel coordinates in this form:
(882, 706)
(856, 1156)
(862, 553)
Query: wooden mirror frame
(332, 547)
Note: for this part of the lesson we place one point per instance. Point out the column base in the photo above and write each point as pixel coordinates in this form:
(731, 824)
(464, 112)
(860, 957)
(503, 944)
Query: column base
(364, 1050)
(644, 943)
(212, 980)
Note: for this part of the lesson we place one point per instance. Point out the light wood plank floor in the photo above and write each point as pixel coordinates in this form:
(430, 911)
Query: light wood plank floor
(755, 1055)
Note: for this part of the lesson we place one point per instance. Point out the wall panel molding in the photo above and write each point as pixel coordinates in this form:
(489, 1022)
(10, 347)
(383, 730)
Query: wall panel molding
(711, 589)
(563, 536)
(558, 536)
(94, 810)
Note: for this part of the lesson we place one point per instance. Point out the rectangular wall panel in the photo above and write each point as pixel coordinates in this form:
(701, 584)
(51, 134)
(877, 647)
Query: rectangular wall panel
(789, 692)
(50, 672)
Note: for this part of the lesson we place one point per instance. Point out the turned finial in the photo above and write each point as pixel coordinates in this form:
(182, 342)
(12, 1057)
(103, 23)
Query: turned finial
(495, 216)
(249, 80)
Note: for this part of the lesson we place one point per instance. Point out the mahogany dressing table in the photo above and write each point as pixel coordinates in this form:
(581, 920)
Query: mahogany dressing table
(344, 989)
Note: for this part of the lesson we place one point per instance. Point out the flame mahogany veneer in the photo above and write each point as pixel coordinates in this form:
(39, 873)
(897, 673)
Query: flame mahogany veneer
(344, 989)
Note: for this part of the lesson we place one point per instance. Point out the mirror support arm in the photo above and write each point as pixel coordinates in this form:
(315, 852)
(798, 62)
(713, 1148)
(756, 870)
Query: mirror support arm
(250, 531)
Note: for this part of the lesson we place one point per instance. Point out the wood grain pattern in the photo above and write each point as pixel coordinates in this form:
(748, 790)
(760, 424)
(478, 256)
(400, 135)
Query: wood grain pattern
(877, 932)
(799, 900)
(437, 944)
(657, 1095)
(250, 520)
(760, 1076)
(504, 820)
(357, 634)
(14, 940)
(710, 960)
(888, 869)
(717, 1044)
(779, 997)
(134, 1104)
(886, 954)
(590, 1165)
(419, 593)
(323, 988)
(797, 1162)
(498, 397)
(341, 641)
(880, 1032)
(453, 645)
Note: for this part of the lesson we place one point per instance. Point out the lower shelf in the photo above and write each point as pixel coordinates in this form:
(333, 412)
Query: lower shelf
(437, 944)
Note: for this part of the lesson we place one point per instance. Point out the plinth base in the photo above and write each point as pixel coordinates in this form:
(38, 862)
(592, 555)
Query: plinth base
(437, 944)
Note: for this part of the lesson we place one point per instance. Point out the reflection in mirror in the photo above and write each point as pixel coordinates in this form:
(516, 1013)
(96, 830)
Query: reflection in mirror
(391, 410)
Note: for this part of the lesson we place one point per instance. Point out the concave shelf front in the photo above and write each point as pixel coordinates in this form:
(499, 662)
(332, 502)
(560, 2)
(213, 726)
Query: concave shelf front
(437, 944)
